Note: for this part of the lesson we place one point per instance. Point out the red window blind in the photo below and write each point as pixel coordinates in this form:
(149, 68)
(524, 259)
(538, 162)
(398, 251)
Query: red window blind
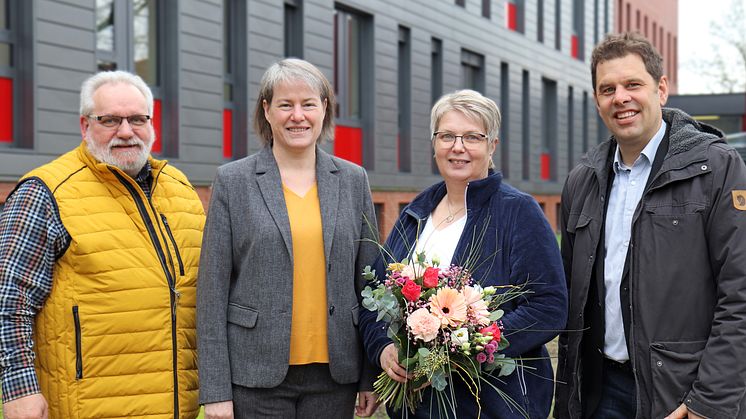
(227, 133)
(6, 110)
(348, 143)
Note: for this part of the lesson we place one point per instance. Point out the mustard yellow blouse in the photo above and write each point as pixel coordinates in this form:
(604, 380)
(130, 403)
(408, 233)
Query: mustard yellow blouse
(308, 332)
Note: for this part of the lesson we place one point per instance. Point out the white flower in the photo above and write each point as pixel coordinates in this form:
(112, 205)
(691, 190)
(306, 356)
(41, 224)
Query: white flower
(460, 336)
(489, 290)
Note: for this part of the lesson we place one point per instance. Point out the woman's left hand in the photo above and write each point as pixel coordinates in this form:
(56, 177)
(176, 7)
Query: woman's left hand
(367, 403)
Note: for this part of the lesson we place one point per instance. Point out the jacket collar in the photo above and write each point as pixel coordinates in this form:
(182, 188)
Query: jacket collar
(327, 182)
(688, 142)
(478, 194)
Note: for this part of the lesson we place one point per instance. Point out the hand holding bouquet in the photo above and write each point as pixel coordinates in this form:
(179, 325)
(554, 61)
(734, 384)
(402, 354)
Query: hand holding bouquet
(442, 324)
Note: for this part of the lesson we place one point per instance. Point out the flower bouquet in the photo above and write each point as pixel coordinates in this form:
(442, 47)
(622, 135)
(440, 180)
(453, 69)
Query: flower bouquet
(442, 323)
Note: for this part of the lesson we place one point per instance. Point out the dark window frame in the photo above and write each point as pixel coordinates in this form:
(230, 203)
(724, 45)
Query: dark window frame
(19, 37)
(235, 74)
(473, 70)
(293, 28)
(404, 99)
(167, 74)
(366, 88)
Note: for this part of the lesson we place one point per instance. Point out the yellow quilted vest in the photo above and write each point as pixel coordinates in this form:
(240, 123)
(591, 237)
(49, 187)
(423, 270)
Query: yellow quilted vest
(116, 337)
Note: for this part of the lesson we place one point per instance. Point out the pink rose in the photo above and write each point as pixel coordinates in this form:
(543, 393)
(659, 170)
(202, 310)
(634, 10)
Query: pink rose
(430, 277)
(481, 357)
(423, 325)
(410, 290)
(493, 330)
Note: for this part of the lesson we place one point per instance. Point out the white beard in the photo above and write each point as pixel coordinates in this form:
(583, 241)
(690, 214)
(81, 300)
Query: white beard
(132, 162)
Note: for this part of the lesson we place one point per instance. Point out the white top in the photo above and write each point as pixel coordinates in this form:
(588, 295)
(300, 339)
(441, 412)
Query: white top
(626, 192)
(440, 243)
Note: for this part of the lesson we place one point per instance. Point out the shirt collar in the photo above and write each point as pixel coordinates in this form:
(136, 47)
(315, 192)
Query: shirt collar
(144, 174)
(648, 153)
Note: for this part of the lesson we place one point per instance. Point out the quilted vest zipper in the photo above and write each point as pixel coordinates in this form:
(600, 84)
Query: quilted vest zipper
(173, 241)
(173, 294)
(78, 346)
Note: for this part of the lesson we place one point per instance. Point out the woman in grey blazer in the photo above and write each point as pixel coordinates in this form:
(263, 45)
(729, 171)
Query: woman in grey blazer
(287, 236)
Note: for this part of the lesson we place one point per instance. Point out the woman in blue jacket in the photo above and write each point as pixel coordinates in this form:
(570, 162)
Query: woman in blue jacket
(518, 248)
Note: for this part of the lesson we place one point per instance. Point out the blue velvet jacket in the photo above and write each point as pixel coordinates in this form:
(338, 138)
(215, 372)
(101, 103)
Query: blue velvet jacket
(518, 247)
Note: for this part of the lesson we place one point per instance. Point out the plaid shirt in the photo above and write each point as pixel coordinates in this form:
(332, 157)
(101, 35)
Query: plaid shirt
(32, 238)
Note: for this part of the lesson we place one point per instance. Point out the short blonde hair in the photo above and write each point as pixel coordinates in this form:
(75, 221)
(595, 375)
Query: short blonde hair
(293, 69)
(473, 105)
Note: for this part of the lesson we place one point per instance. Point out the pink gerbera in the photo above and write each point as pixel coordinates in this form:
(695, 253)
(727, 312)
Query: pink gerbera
(449, 306)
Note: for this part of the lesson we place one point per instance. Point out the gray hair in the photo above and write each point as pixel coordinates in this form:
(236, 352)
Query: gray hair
(287, 70)
(91, 84)
(473, 105)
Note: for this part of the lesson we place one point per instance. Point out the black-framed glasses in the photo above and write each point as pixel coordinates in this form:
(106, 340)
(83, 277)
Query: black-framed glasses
(114, 121)
(470, 139)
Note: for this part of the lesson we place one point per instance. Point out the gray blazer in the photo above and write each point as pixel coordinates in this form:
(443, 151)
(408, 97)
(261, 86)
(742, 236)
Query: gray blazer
(244, 290)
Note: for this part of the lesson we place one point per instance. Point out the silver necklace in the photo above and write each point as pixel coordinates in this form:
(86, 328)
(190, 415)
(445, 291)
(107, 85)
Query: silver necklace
(451, 214)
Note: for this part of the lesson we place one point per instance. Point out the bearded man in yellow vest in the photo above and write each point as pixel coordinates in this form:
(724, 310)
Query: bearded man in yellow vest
(98, 265)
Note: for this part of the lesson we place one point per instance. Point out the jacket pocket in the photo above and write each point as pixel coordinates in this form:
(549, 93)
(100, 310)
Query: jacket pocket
(674, 367)
(173, 242)
(78, 345)
(242, 316)
(356, 314)
(577, 221)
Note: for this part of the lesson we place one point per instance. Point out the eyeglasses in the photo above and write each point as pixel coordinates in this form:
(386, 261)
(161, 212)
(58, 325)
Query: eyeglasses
(113, 121)
(469, 140)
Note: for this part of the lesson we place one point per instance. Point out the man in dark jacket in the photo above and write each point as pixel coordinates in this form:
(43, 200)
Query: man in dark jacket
(654, 248)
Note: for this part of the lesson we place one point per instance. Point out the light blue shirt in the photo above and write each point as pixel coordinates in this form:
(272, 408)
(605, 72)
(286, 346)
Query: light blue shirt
(626, 192)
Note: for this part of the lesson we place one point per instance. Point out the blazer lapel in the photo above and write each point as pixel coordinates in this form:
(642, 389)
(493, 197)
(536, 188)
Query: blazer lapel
(328, 189)
(270, 185)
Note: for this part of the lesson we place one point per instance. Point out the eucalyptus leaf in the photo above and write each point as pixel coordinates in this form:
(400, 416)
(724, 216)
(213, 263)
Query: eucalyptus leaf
(438, 380)
(507, 366)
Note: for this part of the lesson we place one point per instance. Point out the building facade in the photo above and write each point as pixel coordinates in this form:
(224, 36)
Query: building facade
(389, 61)
(658, 21)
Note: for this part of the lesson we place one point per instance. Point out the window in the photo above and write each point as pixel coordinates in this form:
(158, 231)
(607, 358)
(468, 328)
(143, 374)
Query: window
(515, 15)
(645, 20)
(526, 125)
(353, 84)
(404, 146)
(602, 133)
(505, 120)
(436, 70)
(540, 21)
(629, 17)
(293, 23)
(655, 33)
(570, 127)
(461, 3)
(558, 26)
(136, 36)
(620, 22)
(487, 8)
(16, 111)
(472, 70)
(549, 129)
(578, 30)
(585, 122)
(235, 100)
(436, 79)
(595, 21)
(637, 20)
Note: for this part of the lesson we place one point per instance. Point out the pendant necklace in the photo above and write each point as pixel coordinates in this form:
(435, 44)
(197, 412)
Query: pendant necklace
(451, 214)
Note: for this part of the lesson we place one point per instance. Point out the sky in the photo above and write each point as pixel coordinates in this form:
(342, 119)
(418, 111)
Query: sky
(697, 44)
